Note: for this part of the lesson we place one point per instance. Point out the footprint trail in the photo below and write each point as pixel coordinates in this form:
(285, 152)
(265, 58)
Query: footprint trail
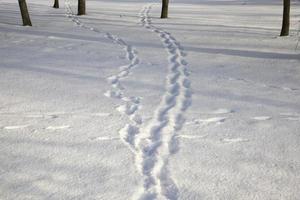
(130, 104)
(158, 140)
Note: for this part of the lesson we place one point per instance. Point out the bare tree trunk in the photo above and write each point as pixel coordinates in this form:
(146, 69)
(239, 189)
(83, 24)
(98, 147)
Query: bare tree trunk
(286, 18)
(24, 13)
(164, 10)
(81, 7)
(56, 4)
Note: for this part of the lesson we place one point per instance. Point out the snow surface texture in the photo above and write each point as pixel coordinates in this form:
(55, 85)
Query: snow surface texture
(120, 104)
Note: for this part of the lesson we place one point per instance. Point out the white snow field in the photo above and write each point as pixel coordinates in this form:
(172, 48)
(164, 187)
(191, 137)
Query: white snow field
(120, 104)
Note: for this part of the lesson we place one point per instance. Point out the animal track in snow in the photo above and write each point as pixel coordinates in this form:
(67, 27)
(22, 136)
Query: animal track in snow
(128, 108)
(130, 105)
(158, 140)
(128, 134)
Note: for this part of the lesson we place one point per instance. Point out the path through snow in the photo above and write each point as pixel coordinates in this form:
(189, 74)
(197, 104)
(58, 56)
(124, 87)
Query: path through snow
(130, 104)
(158, 141)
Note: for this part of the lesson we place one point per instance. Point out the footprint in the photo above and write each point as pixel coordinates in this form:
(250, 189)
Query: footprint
(135, 100)
(127, 136)
(117, 86)
(112, 79)
(58, 127)
(113, 94)
(123, 74)
(128, 132)
(136, 118)
(128, 108)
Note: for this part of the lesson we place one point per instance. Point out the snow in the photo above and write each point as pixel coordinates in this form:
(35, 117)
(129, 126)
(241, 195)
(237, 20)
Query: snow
(120, 104)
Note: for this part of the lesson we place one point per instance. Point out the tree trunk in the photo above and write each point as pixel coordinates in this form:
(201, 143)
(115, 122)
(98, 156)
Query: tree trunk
(56, 4)
(286, 18)
(24, 13)
(164, 10)
(81, 7)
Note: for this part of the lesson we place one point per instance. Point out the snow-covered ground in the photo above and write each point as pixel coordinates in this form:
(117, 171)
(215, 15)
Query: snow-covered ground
(120, 104)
